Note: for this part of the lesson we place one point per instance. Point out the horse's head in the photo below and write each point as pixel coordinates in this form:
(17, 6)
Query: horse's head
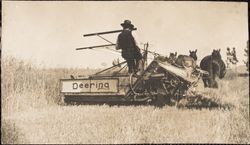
(173, 56)
(193, 54)
(216, 54)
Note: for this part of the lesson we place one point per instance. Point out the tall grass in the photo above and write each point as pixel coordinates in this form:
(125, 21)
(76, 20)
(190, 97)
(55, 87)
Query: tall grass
(31, 114)
(25, 85)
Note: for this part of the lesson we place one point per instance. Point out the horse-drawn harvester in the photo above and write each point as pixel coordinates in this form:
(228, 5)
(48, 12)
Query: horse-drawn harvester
(160, 82)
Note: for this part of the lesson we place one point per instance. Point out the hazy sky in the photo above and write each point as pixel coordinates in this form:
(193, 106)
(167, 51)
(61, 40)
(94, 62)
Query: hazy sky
(48, 32)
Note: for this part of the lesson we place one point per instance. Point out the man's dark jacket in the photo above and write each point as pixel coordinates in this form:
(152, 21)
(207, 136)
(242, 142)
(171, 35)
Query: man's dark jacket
(126, 42)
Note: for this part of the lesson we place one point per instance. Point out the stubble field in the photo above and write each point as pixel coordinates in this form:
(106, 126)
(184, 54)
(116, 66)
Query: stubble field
(33, 112)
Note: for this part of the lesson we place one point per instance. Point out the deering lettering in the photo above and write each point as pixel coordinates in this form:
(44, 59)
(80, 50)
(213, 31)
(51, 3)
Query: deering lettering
(98, 86)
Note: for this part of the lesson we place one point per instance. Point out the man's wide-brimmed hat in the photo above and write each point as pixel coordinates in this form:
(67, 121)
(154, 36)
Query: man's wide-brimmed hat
(127, 24)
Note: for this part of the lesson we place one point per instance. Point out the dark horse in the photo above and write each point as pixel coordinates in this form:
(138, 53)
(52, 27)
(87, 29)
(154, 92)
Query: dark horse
(215, 66)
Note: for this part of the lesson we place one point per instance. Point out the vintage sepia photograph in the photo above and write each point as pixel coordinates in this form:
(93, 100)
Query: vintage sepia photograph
(124, 72)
